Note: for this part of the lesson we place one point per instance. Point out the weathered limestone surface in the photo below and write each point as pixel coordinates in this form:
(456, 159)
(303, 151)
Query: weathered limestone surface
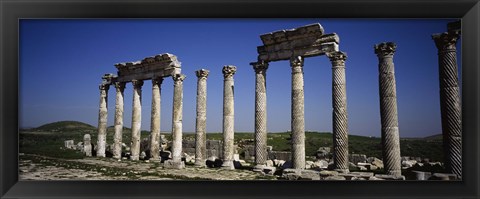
(305, 41)
(155, 119)
(157, 66)
(261, 154)
(297, 117)
(87, 145)
(450, 100)
(228, 116)
(340, 116)
(117, 138)
(201, 120)
(177, 117)
(102, 120)
(136, 119)
(388, 108)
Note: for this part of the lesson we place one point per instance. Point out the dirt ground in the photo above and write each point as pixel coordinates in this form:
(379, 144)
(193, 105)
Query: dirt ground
(35, 167)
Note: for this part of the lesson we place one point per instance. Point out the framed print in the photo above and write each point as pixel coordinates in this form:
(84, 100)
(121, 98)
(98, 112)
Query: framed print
(159, 99)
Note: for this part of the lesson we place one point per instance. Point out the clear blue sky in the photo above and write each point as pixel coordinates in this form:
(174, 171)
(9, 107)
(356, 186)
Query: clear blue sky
(62, 61)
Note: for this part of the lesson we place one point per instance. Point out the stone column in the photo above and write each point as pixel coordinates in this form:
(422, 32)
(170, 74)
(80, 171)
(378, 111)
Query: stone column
(261, 154)
(155, 119)
(339, 114)
(298, 112)
(388, 108)
(117, 138)
(102, 120)
(176, 161)
(87, 145)
(228, 116)
(201, 120)
(136, 119)
(450, 101)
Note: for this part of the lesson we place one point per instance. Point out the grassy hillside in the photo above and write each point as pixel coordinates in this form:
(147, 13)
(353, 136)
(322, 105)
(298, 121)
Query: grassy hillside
(65, 126)
(47, 140)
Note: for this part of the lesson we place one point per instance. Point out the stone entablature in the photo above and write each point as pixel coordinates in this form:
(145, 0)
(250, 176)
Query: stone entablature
(305, 41)
(162, 65)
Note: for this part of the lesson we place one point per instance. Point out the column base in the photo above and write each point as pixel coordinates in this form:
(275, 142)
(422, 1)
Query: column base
(154, 159)
(170, 164)
(200, 163)
(228, 164)
(136, 157)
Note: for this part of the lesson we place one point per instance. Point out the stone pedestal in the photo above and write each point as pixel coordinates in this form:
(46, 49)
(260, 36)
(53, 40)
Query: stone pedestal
(87, 145)
(177, 117)
(261, 154)
(136, 119)
(155, 120)
(388, 108)
(117, 138)
(228, 116)
(339, 115)
(297, 117)
(171, 164)
(201, 120)
(451, 109)
(102, 120)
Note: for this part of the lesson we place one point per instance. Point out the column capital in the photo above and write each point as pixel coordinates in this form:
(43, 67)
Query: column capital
(137, 83)
(385, 49)
(202, 73)
(104, 86)
(119, 85)
(337, 58)
(296, 61)
(446, 41)
(108, 78)
(157, 80)
(228, 71)
(178, 77)
(260, 66)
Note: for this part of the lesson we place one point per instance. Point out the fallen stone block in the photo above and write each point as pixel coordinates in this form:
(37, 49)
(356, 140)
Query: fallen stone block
(170, 164)
(389, 177)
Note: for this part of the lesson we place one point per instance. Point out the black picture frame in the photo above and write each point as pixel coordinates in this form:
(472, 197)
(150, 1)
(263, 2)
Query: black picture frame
(11, 11)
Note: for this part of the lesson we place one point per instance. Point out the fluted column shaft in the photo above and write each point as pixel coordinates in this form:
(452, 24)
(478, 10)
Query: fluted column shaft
(201, 120)
(339, 114)
(298, 112)
(450, 101)
(117, 138)
(388, 108)
(177, 114)
(155, 119)
(228, 117)
(102, 120)
(261, 154)
(136, 119)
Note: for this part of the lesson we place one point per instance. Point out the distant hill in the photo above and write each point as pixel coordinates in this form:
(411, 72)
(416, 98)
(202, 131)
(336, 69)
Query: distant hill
(434, 137)
(65, 126)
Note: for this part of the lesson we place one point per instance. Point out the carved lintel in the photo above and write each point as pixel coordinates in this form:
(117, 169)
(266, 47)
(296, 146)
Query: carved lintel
(202, 73)
(228, 71)
(385, 49)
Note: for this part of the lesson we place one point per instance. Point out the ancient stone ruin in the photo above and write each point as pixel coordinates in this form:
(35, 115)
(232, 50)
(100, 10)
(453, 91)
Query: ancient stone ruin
(293, 45)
